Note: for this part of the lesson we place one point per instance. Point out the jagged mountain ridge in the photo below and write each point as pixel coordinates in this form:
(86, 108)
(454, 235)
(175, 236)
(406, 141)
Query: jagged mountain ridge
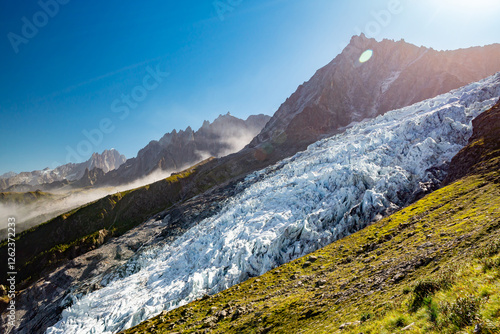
(26, 181)
(397, 75)
(176, 150)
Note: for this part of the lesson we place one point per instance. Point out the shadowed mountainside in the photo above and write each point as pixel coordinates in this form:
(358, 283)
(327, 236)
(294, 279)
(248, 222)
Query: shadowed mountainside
(483, 152)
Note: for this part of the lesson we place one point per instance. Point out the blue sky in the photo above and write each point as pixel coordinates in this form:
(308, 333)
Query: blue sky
(86, 77)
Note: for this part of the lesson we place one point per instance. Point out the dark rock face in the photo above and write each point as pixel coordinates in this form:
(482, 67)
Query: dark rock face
(176, 150)
(49, 179)
(483, 149)
(398, 74)
(89, 178)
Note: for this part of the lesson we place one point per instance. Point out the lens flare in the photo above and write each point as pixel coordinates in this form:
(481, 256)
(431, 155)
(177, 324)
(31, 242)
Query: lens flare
(365, 56)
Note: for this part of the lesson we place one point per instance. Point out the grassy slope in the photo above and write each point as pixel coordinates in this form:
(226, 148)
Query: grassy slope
(23, 198)
(433, 267)
(71, 234)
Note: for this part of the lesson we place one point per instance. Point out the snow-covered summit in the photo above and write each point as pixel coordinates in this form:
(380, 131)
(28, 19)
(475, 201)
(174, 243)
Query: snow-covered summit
(25, 181)
(335, 187)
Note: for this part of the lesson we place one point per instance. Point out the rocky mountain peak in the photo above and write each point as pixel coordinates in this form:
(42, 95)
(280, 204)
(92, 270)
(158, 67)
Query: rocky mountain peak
(346, 90)
(205, 124)
(107, 161)
(360, 41)
(226, 134)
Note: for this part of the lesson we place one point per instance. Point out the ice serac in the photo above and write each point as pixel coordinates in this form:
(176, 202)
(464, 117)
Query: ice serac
(337, 186)
(397, 75)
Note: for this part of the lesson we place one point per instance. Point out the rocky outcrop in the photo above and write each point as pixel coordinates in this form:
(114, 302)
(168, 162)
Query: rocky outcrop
(89, 178)
(344, 91)
(483, 152)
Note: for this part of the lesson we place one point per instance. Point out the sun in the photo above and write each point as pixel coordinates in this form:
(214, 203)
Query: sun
(472, 7)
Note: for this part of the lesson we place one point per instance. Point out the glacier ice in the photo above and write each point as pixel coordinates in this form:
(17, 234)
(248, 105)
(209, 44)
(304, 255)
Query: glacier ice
(335, 187)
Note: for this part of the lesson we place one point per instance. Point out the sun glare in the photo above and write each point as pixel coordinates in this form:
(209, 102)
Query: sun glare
(471, 7)
(365, 56)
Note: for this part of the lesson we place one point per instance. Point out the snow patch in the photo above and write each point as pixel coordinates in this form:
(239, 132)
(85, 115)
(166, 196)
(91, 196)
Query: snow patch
(389, 81)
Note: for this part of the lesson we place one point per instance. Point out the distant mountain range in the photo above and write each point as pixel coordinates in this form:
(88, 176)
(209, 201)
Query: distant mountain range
(53, 178)
(174, 151)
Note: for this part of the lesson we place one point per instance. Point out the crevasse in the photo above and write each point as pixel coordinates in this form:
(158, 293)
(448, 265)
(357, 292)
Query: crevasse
(335, 187)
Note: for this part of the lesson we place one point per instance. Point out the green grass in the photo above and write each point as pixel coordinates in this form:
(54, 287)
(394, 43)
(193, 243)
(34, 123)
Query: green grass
(24, 198)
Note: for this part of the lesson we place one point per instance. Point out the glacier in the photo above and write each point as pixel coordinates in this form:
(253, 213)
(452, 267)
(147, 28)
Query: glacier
(335, 187)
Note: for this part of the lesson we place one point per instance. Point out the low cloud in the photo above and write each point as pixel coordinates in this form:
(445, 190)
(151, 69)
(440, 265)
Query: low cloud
(44, 209)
